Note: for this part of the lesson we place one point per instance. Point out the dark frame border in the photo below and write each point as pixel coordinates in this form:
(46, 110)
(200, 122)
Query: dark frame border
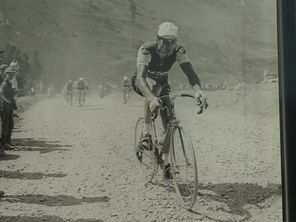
(286, 16)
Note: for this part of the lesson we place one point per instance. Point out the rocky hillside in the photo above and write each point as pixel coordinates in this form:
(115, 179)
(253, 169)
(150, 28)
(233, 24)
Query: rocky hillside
(226, 39)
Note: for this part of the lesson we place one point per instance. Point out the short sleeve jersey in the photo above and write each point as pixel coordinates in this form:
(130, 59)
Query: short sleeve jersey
(125, 83)
(81, 85)
(147, 55)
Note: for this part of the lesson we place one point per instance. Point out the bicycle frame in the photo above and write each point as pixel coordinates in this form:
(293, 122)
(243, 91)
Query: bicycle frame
(81, 97)
(171, 125)
(176, 150)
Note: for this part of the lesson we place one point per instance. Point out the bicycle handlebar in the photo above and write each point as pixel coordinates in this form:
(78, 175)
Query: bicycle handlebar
(186, 95)
(174, 96)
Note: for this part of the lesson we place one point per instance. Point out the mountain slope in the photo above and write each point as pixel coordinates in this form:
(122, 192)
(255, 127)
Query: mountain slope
(226, 40)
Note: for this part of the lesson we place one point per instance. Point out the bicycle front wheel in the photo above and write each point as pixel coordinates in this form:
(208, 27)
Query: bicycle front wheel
(184, 167)
(147, 163)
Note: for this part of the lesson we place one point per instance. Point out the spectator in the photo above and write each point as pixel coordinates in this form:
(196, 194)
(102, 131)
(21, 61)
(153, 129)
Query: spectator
(7, 106)
(1, 56)
(2, 72)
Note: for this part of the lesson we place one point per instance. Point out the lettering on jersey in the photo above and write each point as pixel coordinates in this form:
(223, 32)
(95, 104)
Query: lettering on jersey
(156, 75)
(145, 51)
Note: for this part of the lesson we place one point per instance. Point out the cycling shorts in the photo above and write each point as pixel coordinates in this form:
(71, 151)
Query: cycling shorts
(161, 84)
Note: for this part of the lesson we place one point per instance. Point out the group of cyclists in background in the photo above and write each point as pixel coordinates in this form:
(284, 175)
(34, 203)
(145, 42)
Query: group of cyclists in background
(105, 89)
(75, 91)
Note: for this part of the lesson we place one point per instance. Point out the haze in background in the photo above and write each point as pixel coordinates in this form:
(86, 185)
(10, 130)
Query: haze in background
(227, 40)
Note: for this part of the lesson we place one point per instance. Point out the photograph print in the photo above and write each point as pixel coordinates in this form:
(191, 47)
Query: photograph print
(133, 110)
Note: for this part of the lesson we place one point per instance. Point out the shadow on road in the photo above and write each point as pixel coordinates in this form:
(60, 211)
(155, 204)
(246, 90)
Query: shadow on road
(166, 184)
(43, 218)
(30, 144)
(9, 157)
(98, 108)
(236, 196)
(30, 176)
(59, 200)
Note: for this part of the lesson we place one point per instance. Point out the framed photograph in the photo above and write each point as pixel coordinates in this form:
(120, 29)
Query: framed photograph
(287, 68)
(160, 110)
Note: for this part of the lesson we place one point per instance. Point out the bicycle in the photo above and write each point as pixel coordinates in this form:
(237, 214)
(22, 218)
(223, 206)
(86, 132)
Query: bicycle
(181, 152)
(69, 96)
(127, 95)
(81, 98)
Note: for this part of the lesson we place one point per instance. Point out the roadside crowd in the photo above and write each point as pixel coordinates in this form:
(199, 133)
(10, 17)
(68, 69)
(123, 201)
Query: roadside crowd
(8, 92)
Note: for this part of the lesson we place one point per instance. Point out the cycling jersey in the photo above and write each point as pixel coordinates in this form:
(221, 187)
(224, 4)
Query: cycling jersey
(126, 83)
(70, 86)
(158, 67)
(81, 85)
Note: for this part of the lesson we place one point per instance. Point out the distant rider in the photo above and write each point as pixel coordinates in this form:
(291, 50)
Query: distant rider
(82, 87)
(126, 84)
(69, 91)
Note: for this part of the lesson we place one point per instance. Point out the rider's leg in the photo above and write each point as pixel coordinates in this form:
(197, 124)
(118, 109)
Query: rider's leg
(128, 95)
(124, 96)
(147, 129)
(147, 112)
(71, 98)
(166, 115)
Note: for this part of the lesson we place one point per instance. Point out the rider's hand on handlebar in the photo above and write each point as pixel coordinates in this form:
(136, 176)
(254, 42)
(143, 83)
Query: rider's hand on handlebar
(154, 104)
(201, 101)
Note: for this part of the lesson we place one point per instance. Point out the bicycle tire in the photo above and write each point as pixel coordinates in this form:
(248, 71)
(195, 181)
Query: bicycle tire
(81, 99)
(147, 162)
(184, 167)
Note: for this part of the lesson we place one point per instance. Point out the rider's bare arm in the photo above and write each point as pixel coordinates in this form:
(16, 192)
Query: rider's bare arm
(193, 78)
(143, 85)
(186, 66)
(143, 60)
(190, 73)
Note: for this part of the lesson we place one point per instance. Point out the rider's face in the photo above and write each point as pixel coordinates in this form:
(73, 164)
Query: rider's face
(166, 46)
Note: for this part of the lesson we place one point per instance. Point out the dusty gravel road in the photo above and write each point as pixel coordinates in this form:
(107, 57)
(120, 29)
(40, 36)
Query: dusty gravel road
(78, 165)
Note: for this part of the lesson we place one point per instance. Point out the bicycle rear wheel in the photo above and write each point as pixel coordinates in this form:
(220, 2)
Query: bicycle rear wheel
(82, 99)
(183, 167)
(147, 163)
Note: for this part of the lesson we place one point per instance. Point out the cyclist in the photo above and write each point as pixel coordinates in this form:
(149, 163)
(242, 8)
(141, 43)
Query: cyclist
(126, 84)
(81, 87)
(154, 60)
(69, 91)
(7, 106)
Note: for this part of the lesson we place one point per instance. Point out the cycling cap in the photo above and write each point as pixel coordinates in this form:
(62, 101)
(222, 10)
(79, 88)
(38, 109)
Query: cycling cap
(167, 29)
